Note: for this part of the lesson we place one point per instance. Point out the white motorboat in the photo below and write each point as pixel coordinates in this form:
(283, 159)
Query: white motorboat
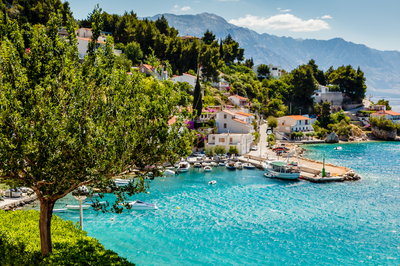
(14, 193)
(141, 205)
(197, 165)
(168, 172)
(212, 182)
(338, 148)
(122, 182)
(207, 168)
(239, 165)
(60, 210)
(231, 165)
(206, 164)
(248, 166)
(283, 169)
(91, 203)
(183, 167)
(76, 207)
(214, 164)
(221, 164)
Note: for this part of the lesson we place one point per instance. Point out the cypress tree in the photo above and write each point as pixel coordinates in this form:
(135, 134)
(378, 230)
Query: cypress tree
(221, 50)
(197, 99)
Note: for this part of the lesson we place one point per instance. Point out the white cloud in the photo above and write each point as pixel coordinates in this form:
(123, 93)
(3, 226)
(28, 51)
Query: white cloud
(281, 22)
(185, 8)
(176, 6)
(227, 0)
(286, 10)
(279, 8)
(326, 16)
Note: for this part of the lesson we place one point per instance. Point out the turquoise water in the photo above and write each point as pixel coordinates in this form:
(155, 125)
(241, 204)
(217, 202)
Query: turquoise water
(246, 219)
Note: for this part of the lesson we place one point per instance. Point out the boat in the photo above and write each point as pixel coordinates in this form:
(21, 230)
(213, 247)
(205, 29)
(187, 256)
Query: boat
(248, 166)
(121, 182)
(231, 166)
(221, 164)
(76, 207)
(338, 148)
(60, 210)
(141, 205)
(91, 203)
(207, 168)
(212, 182)
(214, 164)
(206, 164)
(283, 169)
(239, 165)
(169, 172)
(183, 167)
(197, 165)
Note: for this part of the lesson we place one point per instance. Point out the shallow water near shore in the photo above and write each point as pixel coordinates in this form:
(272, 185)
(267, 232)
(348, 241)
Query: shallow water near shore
(252, 220)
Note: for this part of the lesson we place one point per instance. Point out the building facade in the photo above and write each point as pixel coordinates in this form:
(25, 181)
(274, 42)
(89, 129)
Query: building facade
(294, 123)
(324, 95)
(243, 142)
(239, 100)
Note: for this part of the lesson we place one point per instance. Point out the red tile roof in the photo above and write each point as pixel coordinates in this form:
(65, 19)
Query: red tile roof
(240, 97)
(378, 114)
(243, 114)
(392, 112)
(241, 121)
(88, 39)
(149, 67)
(298, 117)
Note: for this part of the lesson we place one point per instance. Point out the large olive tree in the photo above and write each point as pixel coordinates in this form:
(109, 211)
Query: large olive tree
(64, 124)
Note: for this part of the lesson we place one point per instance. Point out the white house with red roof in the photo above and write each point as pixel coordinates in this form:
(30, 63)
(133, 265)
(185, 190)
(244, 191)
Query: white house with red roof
(234, 122)
(222, 84)
(185, 77)
(239, 100)
(389, 115)
(294, 123)
(149, 70)
(83, 37)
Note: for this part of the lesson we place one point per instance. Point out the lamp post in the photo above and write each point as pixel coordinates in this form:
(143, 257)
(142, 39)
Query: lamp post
(80, 195)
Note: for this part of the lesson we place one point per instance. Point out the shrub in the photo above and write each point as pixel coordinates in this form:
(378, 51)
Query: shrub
(220, 149)
(20, 243)
(342, 129)
(209, 151)
(233, 150)
(382, 123)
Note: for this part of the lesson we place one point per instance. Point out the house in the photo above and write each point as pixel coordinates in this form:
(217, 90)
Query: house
(221, 85)
(185, 77)
(190, 38)
(389, 115)
(83, 45)
(149, 70)
(243, 142)
(274, 71)
(233, 122)
(207, 114)
(378, 108)
(239, 100)
(323, 94)
(84, 36)
(294, 123)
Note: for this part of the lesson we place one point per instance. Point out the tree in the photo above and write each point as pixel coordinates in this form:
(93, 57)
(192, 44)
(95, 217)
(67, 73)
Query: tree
(197, 99)
(303, 86)
(386, 103)
(208, 37)
(220, 149)
(263, 70)
(123, 62)
(64, 124)
(209, 151)
(233, 150)
(318, 74)
(272, 122)
(133, 52)
(323, 112)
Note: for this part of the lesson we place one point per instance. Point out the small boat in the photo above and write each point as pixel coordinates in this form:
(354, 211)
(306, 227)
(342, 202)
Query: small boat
(269, 175)
(248, 166)
(60, 210)
(91, 203)
(206, 164)
(212, 182)
(283, 169)
(183, 167)
(239, 165)
(338, 148)
(197, 165)
(76, 207)
(231, 166)
(207, 168)
(221, 164)
(141, 205)
(121, 182)
(168, 172)
(214, 164)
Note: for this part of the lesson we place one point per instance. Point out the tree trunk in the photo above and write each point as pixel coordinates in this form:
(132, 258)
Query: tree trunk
(46, 211)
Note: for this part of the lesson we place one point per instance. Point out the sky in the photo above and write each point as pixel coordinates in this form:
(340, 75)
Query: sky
(373, 23)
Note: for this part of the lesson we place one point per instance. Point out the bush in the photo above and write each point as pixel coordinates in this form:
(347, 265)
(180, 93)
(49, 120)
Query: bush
(233, 150)
(209, 151)
(382, 123)
(220, 149)
(20, 243)
(342, 129)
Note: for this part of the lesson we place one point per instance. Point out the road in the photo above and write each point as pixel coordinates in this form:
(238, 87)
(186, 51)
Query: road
(262, 144)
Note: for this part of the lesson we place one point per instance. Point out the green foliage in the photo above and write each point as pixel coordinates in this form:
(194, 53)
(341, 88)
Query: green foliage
(231, 50)
(272, 122)
(208, 37)
(20, 243)
(383, 124)
(197, 99)
(323, 114)
(133, 52)
(256, 136)
(220, 149)
(209, 151)
(383, 102)
(303, 86)
(233, 150)
(263, 70)
(342, 128)
(297, 135)
(122, 62)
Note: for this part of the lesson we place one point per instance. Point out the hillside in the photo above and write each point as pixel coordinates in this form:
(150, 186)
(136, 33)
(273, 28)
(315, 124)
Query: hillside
(381, 68)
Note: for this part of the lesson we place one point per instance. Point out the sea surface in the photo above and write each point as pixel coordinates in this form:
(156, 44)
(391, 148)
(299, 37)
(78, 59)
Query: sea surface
(247, 219)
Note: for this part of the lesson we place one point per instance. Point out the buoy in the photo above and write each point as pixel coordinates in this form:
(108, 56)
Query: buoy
(148, 192)
(178, 208)
(112, 219)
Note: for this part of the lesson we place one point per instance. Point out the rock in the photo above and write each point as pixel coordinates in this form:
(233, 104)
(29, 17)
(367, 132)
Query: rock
(383, 134)
(343, 138)
(332, 138)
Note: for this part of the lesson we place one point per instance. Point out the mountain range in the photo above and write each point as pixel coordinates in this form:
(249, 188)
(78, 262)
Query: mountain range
(381, 68)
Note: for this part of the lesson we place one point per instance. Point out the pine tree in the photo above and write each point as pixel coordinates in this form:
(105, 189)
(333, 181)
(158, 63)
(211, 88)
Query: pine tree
(221, 50)
(197, 99)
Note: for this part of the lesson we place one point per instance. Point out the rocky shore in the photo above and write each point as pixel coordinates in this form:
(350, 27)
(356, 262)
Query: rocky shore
(9, 204)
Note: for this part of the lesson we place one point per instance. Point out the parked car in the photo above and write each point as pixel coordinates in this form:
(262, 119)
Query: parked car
(281, 149)
(254, 148)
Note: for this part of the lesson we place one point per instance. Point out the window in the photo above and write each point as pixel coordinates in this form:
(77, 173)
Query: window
(213, 138)
(225, 117)
(230, 140)
(224, 125)
(306, 122)
(274, 68)
(222, 140)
